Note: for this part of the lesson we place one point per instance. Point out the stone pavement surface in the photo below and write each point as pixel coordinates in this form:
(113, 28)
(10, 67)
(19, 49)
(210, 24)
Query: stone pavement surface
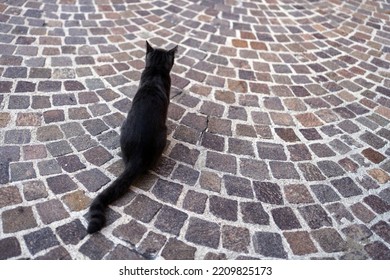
(278, 129)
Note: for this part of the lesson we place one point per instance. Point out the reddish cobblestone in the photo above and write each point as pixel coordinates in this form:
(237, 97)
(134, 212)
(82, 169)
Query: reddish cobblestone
(300, 242)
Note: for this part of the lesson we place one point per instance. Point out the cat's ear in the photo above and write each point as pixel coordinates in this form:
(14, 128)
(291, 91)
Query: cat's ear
(148, 47)
(174, 50)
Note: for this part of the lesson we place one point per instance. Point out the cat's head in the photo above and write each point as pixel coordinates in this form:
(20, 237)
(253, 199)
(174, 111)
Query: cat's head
(160, 58)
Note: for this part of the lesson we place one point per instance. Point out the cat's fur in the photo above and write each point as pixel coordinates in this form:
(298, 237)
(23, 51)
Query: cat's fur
(143, 134)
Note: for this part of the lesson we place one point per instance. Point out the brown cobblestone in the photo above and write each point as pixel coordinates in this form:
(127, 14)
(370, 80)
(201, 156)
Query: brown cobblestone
(300, 242)
(308, 120)
(76, 201)
(203, 232)
(373, 155)
(9, 196)
(195, 201)
(235, 238)
(349, 165)
(299, 152)
(297, 194)
(18, 219)
(210, 181)
(53, 116)
(220, 126)
(49, 133)
(379, 175)
(97, 155)
(282, 119)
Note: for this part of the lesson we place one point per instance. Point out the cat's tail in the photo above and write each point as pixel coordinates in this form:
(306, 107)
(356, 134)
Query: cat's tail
(116, 190)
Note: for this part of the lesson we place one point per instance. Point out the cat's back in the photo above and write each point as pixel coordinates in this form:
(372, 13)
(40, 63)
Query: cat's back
(147, 115)
(150, 99)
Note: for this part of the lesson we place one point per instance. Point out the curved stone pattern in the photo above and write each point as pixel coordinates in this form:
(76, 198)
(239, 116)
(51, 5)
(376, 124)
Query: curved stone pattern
(278, 129)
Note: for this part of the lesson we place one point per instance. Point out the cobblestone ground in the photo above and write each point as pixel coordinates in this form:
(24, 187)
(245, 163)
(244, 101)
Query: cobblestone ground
(278, 129)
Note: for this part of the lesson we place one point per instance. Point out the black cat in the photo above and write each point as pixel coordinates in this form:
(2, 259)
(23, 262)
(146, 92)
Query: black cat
(143, 134)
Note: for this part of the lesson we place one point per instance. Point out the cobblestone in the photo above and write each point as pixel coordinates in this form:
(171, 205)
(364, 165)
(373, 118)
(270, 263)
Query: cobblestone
(48, 216)
(72, 232)
(269, 244)
(170, 220)
(9, 196)
(300, 242)
(203, 233)
(278, 129)
(41, 239)
(330, 240)
(10, 247)
(131, 232)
